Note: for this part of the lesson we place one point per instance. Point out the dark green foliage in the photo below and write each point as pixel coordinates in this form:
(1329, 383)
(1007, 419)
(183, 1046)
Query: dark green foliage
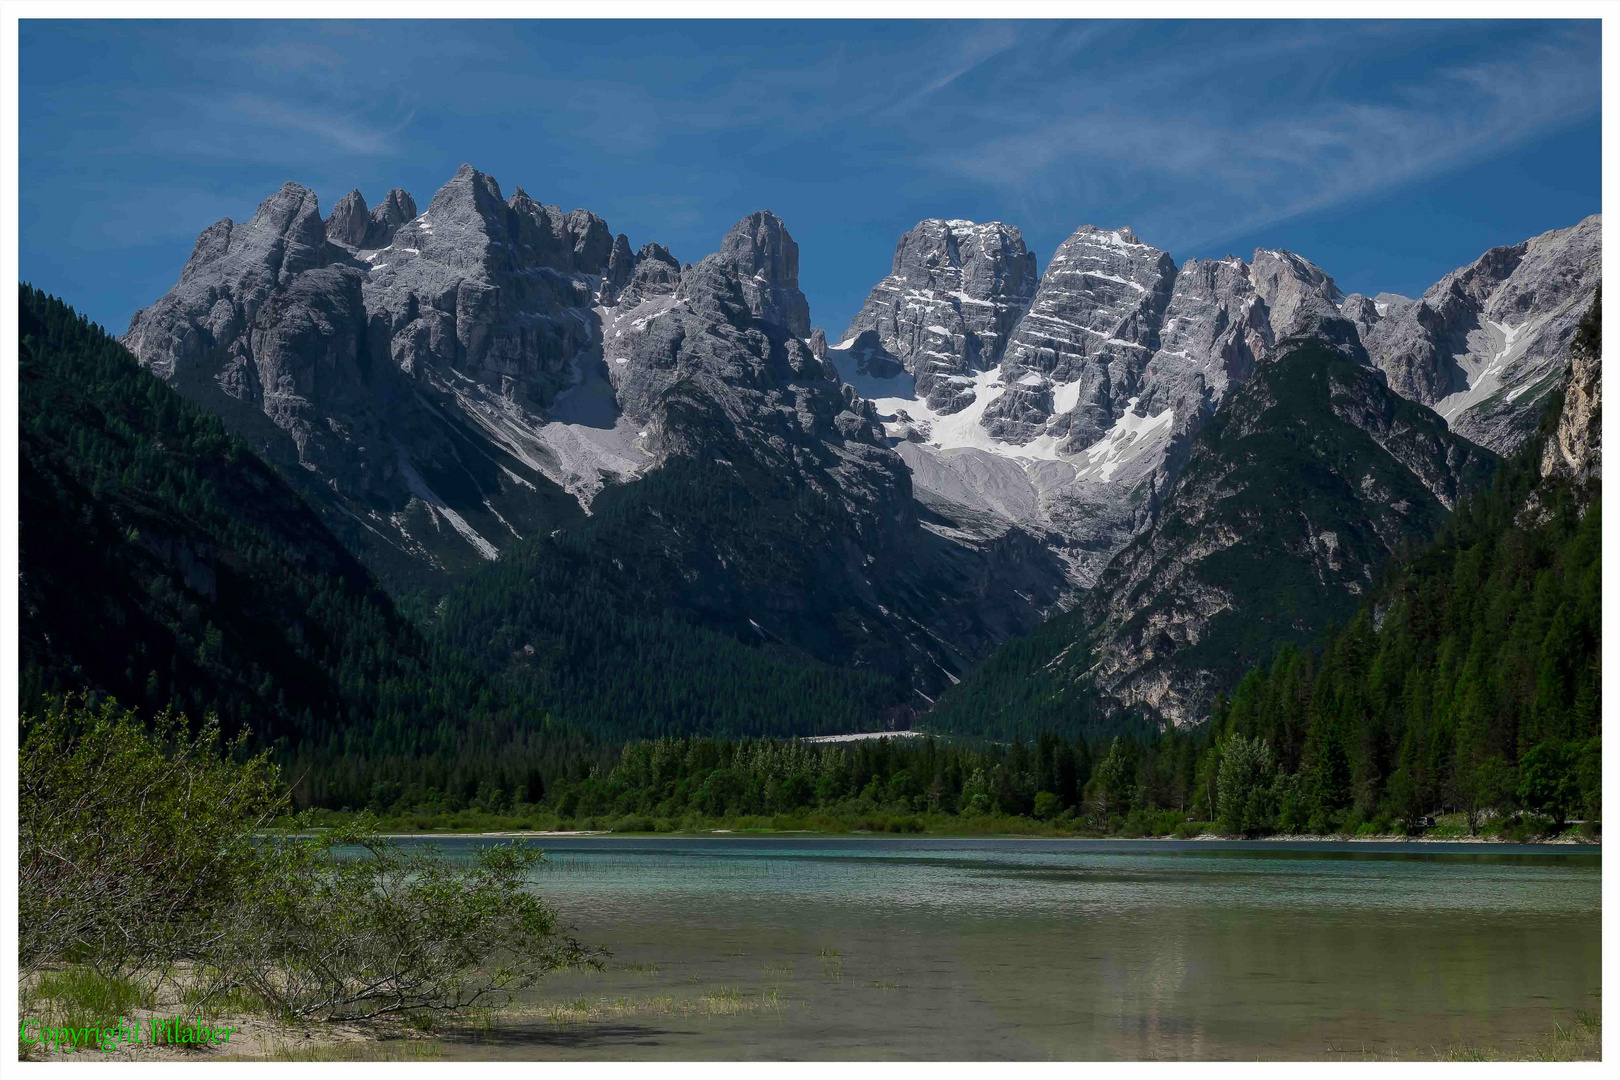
(591, 618)
(139, 858)
(1069, 784)
(676, 777)
(130, 836)
(1023, 687)
(1469, 681)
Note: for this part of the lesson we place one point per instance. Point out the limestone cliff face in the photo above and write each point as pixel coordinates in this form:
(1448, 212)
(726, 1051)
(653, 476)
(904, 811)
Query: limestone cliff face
(1575, 450)
(950, 302)
(392, 362)
(1122, 357)
(976, 449)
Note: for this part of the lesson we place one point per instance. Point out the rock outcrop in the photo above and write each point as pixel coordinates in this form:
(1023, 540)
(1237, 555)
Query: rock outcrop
(395, 365)
(1486, 343)
(1088, 336)
(950, 302)
(1122, 358)
(1575, 449)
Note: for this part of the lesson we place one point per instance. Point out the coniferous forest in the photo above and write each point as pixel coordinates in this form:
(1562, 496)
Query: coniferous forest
(164, 565)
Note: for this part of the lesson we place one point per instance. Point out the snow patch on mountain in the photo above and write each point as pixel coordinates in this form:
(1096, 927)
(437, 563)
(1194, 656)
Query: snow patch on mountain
(946, 431)
(1132, 438)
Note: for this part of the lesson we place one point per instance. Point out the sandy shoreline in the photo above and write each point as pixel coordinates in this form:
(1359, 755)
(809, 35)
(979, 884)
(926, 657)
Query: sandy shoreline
(1202, 838)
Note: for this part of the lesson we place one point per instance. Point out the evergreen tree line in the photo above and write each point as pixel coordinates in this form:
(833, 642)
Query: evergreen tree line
(678, 777)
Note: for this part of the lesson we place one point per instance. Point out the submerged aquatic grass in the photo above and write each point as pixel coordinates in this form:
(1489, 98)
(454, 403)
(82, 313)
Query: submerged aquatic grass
(720, 1001)
(1578, 1038)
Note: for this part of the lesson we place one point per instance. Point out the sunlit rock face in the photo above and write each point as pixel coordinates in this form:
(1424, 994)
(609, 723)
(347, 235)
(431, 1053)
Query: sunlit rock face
(1086, 414)
(1487, 343)
(949, 304)
(401, 366)
(446, 384)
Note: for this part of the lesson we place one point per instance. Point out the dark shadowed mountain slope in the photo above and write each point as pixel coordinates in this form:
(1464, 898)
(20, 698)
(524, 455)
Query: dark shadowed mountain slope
(162, 562)
(775, 515)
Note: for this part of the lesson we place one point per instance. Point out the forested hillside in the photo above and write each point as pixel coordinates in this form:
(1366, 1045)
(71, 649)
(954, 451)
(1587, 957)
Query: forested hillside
(165, 564)
(1467, 684)
(610, 620)
(1470, 680)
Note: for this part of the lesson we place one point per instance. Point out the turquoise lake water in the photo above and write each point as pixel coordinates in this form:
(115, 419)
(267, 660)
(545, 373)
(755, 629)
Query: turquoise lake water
(927, 948)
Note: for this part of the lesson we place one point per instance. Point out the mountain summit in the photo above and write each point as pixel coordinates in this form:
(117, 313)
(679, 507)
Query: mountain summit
(494, 379)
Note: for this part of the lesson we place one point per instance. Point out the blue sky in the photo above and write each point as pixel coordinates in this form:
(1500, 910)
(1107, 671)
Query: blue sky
(1389, 153)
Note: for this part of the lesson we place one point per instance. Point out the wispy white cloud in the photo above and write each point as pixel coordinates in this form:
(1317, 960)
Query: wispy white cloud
(348, 133)
(1217, 168)
(961, 57)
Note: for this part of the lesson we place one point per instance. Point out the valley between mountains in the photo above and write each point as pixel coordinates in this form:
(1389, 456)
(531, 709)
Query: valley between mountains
(644, 497)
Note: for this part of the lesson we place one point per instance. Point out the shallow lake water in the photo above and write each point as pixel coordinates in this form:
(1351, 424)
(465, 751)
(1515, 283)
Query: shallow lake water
(932, 948)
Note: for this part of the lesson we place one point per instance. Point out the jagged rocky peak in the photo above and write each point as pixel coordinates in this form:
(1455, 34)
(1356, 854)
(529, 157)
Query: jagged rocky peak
(621, 262)
(388, 216)
(592, 241)
(360, 351)
(286, 233)
(727, 360)
(456, 288)
(656, 273)
(1368, 311)
(353, 226)
(1292, 288)
(465, 219)
(349, 220)
(232, 270)
(1076, 358)
(212, 243)
(1363, 312)
(1214, 332)
(1486, 343)
(763, 257)
(955, 290)
(1302, 302)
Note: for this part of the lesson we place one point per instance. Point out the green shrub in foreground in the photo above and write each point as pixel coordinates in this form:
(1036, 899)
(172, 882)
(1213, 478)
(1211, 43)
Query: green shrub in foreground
(139, 860)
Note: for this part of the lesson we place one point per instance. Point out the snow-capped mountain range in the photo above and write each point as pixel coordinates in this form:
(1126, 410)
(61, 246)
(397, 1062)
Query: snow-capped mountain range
(968, 456)
(1069, 421)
